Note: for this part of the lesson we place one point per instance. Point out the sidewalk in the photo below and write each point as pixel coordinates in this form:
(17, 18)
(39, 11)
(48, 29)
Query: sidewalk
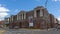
(51, 29)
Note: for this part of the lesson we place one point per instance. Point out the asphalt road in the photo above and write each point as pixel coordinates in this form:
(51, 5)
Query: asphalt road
(31, 31)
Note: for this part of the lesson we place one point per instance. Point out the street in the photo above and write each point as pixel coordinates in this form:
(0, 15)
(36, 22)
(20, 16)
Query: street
(28, 31)
(2, 30)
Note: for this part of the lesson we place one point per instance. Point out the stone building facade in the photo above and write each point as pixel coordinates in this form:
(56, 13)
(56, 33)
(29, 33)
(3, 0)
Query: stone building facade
(38, 18)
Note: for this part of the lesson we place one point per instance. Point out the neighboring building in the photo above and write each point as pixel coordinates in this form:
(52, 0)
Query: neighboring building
(53, 21)
(1, 24)
(13, 20)
(6, 20)
(38, 18)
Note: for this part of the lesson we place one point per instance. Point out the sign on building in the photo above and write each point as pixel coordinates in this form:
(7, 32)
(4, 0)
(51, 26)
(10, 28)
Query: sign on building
(30, 21)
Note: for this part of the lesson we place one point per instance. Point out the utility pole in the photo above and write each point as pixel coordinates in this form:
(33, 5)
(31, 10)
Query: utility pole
(46, 3)
(46, 8)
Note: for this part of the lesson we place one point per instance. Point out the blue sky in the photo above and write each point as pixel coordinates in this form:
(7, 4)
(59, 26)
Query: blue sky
(12, 7)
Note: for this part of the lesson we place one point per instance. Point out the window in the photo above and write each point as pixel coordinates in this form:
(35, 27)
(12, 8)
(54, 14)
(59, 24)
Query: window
(38, 13)
(41, 13)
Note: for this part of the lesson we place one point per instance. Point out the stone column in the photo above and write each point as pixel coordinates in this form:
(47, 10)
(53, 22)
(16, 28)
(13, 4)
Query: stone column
(12, 18)
(17, 17)
(24, 15)
(41, 13)
(35, 13)
(8, 20)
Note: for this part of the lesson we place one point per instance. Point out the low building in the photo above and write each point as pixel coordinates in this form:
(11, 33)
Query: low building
(38, 18)
(12, 21)
(6, 20)
(1, 24)
(53, 21)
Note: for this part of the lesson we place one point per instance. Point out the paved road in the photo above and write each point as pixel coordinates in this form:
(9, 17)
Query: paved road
(31, 31)
(2, 30)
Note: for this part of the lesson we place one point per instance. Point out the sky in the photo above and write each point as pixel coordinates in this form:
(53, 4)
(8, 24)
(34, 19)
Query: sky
(12, 7)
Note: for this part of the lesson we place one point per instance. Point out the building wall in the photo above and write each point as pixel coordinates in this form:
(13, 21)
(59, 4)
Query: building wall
(37, 18)
(6, 20)
(53, 21)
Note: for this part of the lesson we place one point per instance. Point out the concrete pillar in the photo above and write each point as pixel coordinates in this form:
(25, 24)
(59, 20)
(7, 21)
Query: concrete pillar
(17, 17)
(22, 17)
(35, 13)
(12, 18)
(41, 13)
(8, 20)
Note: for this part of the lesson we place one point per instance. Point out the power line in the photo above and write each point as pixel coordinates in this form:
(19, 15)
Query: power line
(46, 3)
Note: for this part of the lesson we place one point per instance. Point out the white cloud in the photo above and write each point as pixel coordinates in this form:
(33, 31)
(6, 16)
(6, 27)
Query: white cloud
(3, 9)
(59, 18)
(2, 15)
(55, 0)
(3, 12)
